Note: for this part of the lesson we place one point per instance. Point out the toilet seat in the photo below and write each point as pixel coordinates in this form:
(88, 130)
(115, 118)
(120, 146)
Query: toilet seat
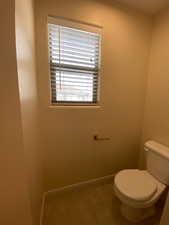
(131, 201)
(135, 185)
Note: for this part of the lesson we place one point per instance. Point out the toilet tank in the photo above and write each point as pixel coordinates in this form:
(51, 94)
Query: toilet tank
(157, 161)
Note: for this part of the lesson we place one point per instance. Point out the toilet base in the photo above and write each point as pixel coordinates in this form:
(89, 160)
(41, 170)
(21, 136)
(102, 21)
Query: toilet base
(136, 214)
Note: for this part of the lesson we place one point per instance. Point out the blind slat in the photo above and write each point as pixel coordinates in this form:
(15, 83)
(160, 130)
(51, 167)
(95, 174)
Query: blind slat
(73, 93)
(72, 32)
(75, 55)
(71, 67)
(65, 37)
(75, 78)
(70, 42)
(83, 72)
(73, 47)
(65, 62)
(54, 50)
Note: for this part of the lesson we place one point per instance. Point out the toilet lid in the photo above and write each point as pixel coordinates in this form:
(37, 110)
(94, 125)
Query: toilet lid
(135, 184)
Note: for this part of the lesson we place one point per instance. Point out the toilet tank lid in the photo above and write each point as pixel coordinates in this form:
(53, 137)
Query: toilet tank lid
(158, 148)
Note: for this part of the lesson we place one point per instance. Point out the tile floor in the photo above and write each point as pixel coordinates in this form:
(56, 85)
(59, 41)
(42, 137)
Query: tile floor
(88, 205)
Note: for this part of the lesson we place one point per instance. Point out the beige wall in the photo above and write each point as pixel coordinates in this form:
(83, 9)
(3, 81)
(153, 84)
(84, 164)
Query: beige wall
(71, 155)
(156, 121)
(156, 118)
(14, 203)
(25, 43)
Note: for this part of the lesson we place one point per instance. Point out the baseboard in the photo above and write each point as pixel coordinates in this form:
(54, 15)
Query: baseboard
(81, 184)
(50, 193)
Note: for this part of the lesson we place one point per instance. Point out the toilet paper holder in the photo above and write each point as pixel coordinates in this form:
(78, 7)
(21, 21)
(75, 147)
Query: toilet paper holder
(97, 138)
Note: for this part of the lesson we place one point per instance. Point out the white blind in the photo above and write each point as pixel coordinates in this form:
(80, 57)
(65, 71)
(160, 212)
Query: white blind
(74, 64)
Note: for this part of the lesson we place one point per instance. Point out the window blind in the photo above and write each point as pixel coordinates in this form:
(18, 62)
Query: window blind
(74, 64)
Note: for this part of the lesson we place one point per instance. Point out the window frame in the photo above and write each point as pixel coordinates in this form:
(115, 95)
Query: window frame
(84, 27)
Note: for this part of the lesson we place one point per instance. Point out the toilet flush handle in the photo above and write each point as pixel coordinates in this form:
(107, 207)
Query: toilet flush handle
(146, 149)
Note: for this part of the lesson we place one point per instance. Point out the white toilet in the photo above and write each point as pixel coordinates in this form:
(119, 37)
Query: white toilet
(139, 190)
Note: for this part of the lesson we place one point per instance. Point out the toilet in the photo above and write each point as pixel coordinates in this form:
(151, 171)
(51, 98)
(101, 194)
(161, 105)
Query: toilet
(139, 190)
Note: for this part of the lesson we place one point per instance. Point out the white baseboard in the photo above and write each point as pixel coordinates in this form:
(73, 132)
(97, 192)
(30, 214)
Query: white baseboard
(81, 184)
(100, 180)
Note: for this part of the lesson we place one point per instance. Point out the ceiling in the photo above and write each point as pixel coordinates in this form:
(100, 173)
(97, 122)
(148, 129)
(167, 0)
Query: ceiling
(148, 6)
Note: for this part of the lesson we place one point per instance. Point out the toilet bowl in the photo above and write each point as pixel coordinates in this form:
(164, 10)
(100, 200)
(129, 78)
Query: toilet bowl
(138, 192)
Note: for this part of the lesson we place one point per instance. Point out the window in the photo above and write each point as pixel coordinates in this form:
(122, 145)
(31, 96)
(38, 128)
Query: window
(74, 56)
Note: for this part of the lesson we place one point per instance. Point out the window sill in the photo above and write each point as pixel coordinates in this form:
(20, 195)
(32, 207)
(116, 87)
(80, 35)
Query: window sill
(54, 107)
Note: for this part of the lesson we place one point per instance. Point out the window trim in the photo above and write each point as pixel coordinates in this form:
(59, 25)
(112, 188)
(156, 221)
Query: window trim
(88, 28)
